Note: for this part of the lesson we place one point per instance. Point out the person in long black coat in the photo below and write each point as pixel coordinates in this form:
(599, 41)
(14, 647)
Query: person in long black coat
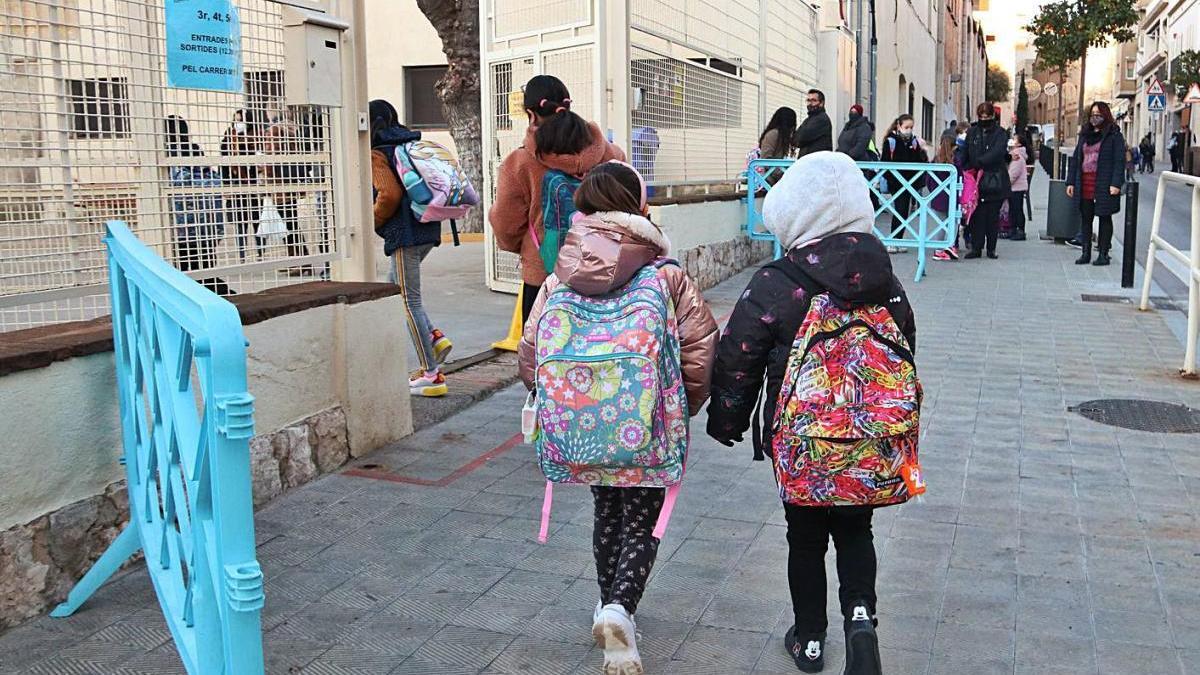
(987, 151)
(1095, 178)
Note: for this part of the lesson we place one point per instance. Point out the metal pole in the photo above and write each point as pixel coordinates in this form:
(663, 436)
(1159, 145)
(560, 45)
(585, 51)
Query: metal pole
(1129, 243)
(874, 64)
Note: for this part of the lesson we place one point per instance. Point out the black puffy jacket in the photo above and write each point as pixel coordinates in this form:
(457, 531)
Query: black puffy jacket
(854, 268)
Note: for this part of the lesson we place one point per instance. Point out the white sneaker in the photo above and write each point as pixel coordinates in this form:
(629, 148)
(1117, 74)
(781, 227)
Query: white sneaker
(615, 633)
(431, 385)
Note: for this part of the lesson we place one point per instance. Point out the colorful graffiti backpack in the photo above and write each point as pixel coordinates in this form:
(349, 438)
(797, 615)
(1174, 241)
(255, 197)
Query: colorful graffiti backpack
(434, 181)
(558, 213)
(846, 422)
(610, 401)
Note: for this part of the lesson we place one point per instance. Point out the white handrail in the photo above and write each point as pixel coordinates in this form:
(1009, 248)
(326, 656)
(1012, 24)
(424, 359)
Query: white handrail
(1191, 259)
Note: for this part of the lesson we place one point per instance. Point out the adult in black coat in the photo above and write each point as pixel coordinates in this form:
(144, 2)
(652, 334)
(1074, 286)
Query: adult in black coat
(1095, 178)
(855, 139)
(816, 133)
(987, 152)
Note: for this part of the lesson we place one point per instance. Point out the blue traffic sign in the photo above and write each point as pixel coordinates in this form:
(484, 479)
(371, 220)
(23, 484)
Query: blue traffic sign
(1157, 102)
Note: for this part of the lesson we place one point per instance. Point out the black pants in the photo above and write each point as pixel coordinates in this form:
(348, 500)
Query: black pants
(985, 226)
(1087, 209)
(1016, 210)
(622, 541)
(528, 296)
(241, 211)
(809, 531)
(903, 206)
(289, 210)
(1176, 161)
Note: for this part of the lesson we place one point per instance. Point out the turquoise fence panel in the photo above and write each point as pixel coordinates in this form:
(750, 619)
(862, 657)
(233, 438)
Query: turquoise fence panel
(924, 228)
(186, 423)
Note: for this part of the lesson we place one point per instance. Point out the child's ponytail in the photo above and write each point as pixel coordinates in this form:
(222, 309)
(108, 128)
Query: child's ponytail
(560, 131)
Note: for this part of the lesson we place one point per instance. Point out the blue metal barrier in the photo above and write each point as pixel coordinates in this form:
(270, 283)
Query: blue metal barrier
(186, 423)
(923, 228)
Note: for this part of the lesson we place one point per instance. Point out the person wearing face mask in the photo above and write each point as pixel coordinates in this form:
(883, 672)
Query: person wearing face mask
(241, 208)
(902, 145)
(1020, 187)
(1095, 178)
(816, 133)
(855, 139)
(987, 154)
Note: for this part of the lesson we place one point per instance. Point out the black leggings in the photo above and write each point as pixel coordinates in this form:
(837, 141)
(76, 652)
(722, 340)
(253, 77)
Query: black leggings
(529, 295)
(985, 226)
(622, 541)
(1016, 210)
(903, 206)
(1087, 209)
(809, 531)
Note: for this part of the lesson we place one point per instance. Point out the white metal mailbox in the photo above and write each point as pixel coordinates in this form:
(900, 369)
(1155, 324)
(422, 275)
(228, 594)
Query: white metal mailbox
(312, 43)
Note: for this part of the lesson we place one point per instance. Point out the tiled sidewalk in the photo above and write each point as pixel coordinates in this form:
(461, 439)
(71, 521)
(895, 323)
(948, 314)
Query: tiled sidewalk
(1048, 544)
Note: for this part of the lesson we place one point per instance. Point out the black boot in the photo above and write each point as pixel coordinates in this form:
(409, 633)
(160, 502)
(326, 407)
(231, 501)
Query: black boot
(1018, 235)
(1102, 259)
(807, 650)
(1086, 256)
(862, 644)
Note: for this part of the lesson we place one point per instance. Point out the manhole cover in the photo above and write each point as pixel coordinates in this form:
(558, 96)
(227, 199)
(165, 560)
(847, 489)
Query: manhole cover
(1140, 415)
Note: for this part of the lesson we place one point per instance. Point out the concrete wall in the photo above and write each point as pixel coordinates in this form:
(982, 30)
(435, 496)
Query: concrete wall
(399, 35)
(61, 427)
(907, 33)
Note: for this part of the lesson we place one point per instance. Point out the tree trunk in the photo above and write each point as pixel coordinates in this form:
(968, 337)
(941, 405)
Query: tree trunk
(457, 24)
(1082, 94)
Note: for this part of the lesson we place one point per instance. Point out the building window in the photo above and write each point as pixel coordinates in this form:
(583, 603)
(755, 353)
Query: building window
(99, 107)
(422, 108)
(927, 119)
(1130, 69)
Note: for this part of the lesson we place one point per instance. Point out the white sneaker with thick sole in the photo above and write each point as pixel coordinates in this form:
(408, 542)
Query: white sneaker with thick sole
(615, 633)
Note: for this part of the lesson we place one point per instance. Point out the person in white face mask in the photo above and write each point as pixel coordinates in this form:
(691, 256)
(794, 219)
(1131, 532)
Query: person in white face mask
(241, 208)
(902, 145)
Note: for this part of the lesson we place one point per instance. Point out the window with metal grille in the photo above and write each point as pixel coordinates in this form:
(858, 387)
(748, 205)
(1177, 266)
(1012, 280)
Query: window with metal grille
(99, 107)
(422, 107)
(927, 120)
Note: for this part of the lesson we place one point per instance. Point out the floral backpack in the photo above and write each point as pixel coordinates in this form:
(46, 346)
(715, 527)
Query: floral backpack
(434, 180)
(610, 401)
(847, 418)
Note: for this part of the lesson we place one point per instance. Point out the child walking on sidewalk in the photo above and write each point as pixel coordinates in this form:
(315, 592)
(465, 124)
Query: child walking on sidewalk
(619, 348)
(831, 330)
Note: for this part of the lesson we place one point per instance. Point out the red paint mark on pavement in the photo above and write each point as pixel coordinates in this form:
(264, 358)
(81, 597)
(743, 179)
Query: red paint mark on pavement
(385, 475)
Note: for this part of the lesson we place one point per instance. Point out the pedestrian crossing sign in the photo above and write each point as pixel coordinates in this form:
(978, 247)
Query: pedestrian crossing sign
(1156, 97)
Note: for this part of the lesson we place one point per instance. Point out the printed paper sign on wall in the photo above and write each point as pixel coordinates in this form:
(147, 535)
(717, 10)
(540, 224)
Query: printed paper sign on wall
(204, 45)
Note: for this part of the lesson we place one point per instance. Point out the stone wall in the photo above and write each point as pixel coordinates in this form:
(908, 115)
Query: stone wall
(710, 264)
(41, 560)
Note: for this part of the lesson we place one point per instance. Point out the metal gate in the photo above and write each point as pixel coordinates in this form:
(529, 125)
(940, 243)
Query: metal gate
(520, 39)
(683, 87)
(92, 133)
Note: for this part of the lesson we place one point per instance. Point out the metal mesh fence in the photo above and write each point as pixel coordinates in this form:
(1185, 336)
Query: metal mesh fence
(514, 18)
(235, 189)
(704, 120)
